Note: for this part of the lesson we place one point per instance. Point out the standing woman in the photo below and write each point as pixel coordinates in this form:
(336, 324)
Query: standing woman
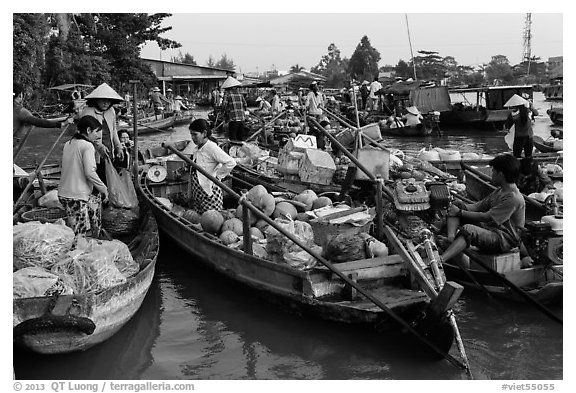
(99, 105)
(79, 178)
(203, 194)
(521, 118)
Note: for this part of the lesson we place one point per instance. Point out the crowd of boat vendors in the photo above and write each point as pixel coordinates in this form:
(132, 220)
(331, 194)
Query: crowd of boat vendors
(299, 197)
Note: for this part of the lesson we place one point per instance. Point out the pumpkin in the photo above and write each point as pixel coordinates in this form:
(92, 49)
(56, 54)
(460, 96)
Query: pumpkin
(321, 202)
(256, 192)
(234, 225)
(211, 221)
(178, 210)
(303, 217)
(266, 203)
(229, 237)
(284, 210)
(192, 216)
(378, 248)
(251, 216)
(306, 197)
(261, 225)
(292, 135)
(257, 233)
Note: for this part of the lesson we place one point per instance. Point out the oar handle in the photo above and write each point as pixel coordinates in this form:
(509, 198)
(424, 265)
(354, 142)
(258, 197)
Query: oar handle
(314, 254)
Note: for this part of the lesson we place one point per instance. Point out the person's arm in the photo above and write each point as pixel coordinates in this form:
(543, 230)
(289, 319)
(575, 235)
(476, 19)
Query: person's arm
(509, 122)
(27, 117)
(227, 163)
(89, 163)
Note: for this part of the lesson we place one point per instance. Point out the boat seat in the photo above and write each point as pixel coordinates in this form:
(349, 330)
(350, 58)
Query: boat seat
(371, 268)
(502, 263)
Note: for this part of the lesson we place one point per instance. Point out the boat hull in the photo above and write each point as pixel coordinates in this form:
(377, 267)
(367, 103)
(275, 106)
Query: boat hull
(417, 130)
(540, 283)
(302, 292)
(68, 315)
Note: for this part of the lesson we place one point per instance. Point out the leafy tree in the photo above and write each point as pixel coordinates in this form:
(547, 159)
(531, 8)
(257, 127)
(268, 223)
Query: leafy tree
(403, 69)
(210, 62)
(30, 35)
(296, 68)
(184, 59)
(364, 61)
(225, 63)
(499, 70)
(333, 67)
(85, 48)
(431, 66)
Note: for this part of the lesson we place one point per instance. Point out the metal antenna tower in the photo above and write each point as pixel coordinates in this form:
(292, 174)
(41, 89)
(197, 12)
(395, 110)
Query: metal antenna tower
(527, 48)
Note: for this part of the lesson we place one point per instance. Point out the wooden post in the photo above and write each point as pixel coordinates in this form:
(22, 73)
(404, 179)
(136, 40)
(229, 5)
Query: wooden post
(379, 185)
(135, 129)
(247, 239)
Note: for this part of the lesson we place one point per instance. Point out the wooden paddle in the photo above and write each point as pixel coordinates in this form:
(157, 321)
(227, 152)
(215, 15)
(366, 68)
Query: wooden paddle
(34, 175)
(318, 257)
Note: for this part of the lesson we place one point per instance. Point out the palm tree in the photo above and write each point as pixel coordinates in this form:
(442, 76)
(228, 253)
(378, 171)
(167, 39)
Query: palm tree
(296, 68)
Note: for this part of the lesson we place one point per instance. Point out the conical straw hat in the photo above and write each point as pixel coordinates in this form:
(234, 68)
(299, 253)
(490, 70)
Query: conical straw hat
(104, 91)
(515, 100)
(413, 110)
(230, 82)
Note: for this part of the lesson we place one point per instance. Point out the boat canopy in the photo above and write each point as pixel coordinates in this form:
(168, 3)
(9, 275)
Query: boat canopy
(431, 99)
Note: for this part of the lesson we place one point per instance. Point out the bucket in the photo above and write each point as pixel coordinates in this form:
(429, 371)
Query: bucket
(324, 230)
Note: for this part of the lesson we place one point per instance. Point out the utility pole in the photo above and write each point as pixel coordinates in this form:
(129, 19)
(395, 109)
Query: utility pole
(527, 48)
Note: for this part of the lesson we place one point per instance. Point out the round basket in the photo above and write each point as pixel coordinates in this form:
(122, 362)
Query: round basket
(44, 215)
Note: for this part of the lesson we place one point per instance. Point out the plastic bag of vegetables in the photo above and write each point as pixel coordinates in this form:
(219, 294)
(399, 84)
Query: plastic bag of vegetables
(38, 244)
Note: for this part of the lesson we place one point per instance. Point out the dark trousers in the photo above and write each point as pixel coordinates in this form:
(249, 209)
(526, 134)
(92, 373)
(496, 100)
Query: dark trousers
(236, 130)
(525, 143)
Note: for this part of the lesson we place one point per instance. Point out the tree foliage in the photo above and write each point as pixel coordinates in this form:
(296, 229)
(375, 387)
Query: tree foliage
(52, 49)
(296, 68)
(364, 61)
(186, 58)
(499, 71)
(226, 63)
(333, 67)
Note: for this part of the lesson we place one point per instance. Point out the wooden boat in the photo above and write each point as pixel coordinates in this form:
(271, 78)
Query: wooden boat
(68, 323)
(554, 90)
(540, 282)
(545, 146)
(556, 115)
(151, 124)
(487, 111)
(416, 130)
(316, 292)
(183, 117)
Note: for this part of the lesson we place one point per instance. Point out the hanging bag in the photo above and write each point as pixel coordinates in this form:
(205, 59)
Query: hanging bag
(121, 192)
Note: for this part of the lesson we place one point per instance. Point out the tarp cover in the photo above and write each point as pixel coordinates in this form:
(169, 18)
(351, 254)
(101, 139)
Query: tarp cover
(431, 99)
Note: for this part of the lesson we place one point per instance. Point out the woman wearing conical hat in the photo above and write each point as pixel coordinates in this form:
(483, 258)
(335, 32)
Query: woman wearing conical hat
(521, 119)
(99, 105)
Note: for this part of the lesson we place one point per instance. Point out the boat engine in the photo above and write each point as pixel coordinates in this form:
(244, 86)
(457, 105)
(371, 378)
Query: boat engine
(543, 244)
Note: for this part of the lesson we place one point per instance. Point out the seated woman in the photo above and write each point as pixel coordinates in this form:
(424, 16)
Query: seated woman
(79, 179)
(264, 108)
(126, 145)
(203, 194)
(413, 117)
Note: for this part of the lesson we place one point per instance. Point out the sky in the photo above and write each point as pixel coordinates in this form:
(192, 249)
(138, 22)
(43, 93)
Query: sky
(259, 42)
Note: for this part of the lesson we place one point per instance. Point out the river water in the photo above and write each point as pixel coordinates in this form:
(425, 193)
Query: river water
(196, 325)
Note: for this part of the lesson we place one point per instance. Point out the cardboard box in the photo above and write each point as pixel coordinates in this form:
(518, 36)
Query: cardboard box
(317, 167)
(502, 263)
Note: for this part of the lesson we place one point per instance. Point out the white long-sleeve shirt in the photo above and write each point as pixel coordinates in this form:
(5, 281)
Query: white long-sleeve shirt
(213, 159)
(79, 171)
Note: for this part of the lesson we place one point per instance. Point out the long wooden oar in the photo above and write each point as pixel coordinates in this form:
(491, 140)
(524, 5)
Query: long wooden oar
(21, 143)
(33, 176)
(518, 290)
(318, 257)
